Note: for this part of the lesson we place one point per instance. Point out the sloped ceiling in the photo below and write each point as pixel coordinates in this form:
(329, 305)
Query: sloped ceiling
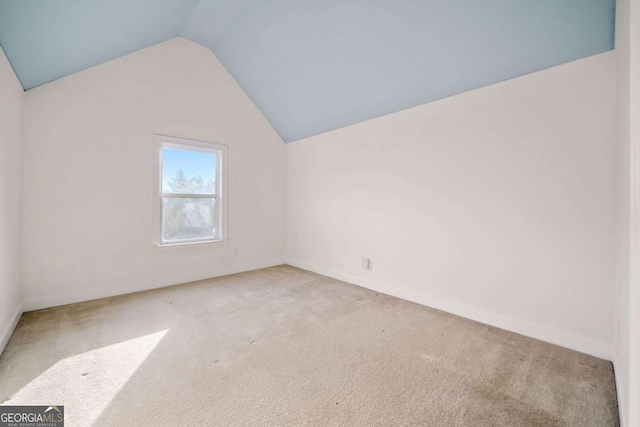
(48, 39)
(313, 66)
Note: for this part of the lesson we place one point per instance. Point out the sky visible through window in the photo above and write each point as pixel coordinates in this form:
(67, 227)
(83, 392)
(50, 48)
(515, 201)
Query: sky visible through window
(192, 163)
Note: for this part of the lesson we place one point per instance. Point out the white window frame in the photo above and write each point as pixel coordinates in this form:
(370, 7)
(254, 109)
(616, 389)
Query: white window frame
(221, 151)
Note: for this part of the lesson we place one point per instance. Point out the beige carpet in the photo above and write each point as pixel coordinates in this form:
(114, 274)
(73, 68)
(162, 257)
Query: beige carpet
(285, 347)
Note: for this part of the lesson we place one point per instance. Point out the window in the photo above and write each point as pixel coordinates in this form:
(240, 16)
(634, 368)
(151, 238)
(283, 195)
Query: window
(190, 191)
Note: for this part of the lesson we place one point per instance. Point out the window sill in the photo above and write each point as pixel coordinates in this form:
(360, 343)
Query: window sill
(221, 246)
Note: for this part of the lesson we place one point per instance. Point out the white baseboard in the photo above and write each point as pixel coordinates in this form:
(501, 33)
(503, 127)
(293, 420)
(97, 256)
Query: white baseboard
(509, 323)
(75, 297)
(5, 335)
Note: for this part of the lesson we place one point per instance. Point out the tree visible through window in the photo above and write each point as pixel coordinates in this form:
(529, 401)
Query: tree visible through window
(190, 192)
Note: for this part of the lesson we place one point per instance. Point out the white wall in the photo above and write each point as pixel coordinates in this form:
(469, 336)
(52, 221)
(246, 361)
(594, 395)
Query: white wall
(496, 204)
(11, 100)
(621, 359)
(88, 175)
(627, 295)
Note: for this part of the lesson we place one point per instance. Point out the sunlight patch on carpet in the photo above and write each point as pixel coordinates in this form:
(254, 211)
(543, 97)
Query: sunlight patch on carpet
(86, 383)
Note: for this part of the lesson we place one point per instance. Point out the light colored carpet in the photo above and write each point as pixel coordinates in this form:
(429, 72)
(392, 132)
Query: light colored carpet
(285, 347)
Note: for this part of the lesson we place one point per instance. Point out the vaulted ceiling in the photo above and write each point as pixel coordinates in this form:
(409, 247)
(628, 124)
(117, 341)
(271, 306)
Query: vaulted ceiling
(313, 66)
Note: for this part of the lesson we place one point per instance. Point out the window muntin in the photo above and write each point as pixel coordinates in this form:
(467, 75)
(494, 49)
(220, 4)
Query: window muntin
(190, 190)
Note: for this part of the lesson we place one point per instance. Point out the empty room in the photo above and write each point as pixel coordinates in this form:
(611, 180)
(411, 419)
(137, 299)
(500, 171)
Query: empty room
(320, 213)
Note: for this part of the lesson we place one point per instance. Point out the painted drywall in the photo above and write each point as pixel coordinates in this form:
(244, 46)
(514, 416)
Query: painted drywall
(627, 292)
(621, 358)
(496, 204)
(11, 137)
(88, 175)
(316, 66)
(46, 40)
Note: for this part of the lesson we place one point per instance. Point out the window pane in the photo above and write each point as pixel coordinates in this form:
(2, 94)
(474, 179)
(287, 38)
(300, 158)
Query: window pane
(185, 171)
(188, 219)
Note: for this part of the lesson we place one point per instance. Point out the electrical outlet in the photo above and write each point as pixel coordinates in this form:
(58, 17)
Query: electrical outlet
(366, 263)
